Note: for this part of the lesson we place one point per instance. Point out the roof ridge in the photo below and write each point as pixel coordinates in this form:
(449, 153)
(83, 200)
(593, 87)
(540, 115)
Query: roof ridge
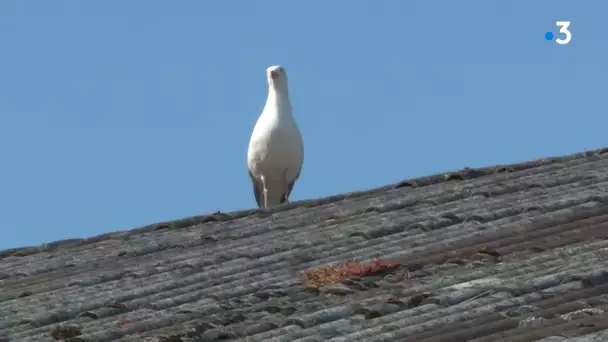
(218, 216)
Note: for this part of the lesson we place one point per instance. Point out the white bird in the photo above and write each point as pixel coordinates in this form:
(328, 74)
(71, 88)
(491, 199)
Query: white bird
(276, 150)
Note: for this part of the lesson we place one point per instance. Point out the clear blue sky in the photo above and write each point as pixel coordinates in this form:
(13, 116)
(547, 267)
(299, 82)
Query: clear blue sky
(117, 114)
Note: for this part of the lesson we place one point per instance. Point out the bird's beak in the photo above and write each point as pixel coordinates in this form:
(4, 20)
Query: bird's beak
(274, 74)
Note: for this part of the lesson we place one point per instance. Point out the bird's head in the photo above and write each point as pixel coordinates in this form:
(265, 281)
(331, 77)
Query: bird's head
(277, 76)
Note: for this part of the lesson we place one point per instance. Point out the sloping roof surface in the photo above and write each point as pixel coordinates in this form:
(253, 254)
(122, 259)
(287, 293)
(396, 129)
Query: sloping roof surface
(508, 253)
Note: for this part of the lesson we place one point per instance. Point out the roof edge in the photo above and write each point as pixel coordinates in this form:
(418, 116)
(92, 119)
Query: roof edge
(218, 216)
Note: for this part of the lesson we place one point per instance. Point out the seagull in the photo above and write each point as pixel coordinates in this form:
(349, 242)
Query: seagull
(276, 150)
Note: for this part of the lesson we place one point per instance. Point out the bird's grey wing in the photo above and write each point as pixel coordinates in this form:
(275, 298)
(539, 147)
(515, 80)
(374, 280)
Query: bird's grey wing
(257, 189)
(289, 188)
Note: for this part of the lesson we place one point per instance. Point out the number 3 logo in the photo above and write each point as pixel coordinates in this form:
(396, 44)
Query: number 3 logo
(564, 29)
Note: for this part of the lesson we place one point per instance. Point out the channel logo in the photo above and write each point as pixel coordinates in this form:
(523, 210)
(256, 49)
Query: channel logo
(563, 29)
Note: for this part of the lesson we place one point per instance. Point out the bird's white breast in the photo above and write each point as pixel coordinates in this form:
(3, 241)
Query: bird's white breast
(276, 145)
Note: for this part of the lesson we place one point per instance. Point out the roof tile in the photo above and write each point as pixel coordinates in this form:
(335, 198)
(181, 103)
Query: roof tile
(512, 253)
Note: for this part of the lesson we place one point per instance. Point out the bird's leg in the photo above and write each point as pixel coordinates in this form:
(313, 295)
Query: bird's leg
(286, 186)
(265, 191)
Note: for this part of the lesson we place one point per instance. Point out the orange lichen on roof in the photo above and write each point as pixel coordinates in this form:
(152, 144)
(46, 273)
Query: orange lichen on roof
(122, 322)
(323, 276)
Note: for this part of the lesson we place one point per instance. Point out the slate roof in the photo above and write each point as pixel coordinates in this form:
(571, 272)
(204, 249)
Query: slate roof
(507, 253)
